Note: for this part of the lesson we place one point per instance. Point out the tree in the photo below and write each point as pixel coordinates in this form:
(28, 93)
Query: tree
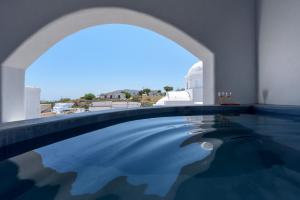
(64, 100)
(168, 88)
(127, 95)
(89, 96)
(146, 91)
(141, 92)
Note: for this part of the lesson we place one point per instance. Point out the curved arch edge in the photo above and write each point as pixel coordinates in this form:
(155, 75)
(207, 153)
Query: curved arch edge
(50, 34)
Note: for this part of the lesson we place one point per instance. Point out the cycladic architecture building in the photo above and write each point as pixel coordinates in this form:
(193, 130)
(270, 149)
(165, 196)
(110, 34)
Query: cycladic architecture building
(246, 45)
(194, 83)
(193, 93)
(60, 108)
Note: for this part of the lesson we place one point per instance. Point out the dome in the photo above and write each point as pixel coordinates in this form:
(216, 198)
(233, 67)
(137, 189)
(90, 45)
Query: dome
(197, 68)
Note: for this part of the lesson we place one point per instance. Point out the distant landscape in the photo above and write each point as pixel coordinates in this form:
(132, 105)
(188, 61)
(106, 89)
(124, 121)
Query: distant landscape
(145, 97)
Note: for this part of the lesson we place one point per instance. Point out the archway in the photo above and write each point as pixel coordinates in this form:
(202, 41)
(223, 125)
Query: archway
(13, 69)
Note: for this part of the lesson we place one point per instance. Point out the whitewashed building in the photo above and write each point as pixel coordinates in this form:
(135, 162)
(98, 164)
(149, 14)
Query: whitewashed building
(60, 108)
(118, 95)
(107, 105)
(193, 93)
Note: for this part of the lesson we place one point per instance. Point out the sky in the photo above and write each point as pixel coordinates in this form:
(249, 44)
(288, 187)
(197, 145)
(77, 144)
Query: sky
(106, 58)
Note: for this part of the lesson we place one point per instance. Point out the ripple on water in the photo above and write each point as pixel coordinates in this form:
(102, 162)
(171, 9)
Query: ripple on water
(145, 151)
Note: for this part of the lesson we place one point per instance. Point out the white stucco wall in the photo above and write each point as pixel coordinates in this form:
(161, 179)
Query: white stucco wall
(49, 35)
(32, 102)
(178, 103)
(12, 94)
(279, 52)
(225, 27)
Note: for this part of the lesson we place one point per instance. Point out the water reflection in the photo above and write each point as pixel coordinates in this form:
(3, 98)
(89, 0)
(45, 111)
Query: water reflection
(200, 157)
(146, 155)
(251, 163)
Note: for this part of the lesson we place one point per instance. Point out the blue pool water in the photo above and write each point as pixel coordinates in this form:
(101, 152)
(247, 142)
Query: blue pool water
(193, 157)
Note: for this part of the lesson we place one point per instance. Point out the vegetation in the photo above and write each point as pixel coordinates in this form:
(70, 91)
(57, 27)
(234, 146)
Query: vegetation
(65, 100)
(127, 95)
(168, 88)
(145, 91)
(136, 98)
(143, 96)
(147, 101)
(89, 96)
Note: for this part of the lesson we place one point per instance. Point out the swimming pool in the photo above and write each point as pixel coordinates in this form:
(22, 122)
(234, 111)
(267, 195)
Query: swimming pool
(186, 157)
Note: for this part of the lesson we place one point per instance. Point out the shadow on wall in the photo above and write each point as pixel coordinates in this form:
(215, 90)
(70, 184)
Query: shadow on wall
(265, 95)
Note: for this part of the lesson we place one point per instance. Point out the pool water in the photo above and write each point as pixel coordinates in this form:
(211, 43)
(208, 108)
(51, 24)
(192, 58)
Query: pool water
(183, 158)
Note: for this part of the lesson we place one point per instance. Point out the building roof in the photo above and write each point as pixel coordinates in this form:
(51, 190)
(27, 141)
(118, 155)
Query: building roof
(182, 96)
(120, 92)
(196, 69)
(178, 96)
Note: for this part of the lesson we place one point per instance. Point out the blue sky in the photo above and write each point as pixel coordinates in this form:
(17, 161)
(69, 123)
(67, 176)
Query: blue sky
(109, 57)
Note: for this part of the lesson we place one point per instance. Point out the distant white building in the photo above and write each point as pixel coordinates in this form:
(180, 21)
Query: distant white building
(117, 95)
(60, 108)
(193, 93)
(32, 102)
(107, 105)
(101, 105)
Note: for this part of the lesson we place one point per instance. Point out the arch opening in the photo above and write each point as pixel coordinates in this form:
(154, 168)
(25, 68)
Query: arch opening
(13, 69)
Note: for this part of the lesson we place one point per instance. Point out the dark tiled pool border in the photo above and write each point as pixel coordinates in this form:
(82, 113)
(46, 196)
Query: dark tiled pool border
(22, 136)
(279, 110)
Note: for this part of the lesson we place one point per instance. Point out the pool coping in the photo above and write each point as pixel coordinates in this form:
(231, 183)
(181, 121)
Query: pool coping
(22, 136)
(279, 110)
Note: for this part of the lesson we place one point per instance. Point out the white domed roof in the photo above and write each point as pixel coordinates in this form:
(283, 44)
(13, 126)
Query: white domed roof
(196, 69)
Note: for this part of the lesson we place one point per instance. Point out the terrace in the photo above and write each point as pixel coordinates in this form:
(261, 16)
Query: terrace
(249, 47)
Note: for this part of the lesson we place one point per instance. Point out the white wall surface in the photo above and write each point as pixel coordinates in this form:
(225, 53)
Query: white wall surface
(107, 105)
(12, 94)
(279, 52)
(226, 27)
(179, 103)
(32, 102)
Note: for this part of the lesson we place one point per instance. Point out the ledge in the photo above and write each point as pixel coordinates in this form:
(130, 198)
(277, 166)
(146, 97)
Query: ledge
(22, 136)
(279, 110)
